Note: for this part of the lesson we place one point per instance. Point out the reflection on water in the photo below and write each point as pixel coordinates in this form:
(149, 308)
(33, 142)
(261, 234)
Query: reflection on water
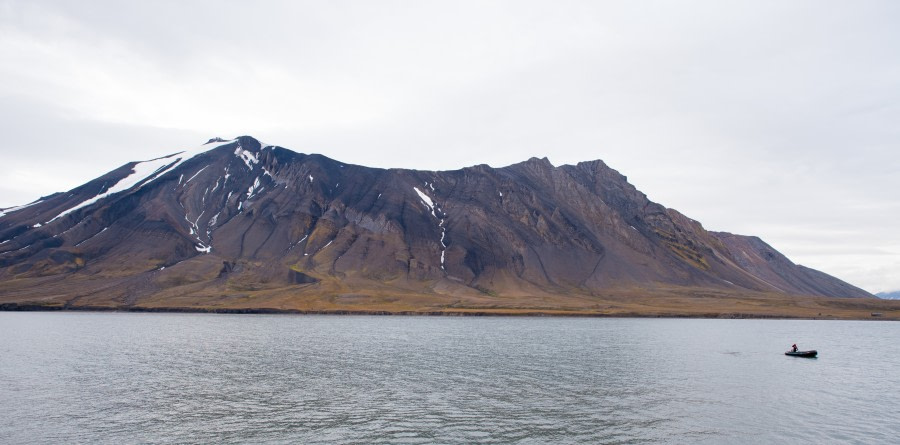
(122, 377)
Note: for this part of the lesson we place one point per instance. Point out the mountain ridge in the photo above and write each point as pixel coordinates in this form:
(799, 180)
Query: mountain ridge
(243, 224)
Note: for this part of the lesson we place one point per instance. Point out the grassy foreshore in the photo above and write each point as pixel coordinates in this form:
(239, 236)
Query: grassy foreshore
(761, 306)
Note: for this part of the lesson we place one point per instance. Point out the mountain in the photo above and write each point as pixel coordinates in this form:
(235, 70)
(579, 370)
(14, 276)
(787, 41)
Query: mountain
(895, 295)
(243, 225)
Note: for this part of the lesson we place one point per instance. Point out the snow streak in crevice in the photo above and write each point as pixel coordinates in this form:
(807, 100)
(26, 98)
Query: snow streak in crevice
(91, 237)
(298, 242)
(212, 223)
(195, 175)
(435, 208)
(195, 231)
(326, 245)
(254, 189)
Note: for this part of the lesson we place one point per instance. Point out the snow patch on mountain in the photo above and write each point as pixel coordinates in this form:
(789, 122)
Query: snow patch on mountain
(140, 173)
(144, 173)
(9, 210)
(247, 156)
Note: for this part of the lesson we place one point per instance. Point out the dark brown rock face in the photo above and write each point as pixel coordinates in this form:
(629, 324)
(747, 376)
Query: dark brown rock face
(237, 219)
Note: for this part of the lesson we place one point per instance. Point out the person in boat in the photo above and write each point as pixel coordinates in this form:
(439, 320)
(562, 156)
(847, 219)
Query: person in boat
(794, 348)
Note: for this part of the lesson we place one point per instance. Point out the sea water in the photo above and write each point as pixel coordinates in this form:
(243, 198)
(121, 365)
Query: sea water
(82, 377)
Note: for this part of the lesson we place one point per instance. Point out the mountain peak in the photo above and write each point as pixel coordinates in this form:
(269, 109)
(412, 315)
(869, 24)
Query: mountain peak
(540, 161)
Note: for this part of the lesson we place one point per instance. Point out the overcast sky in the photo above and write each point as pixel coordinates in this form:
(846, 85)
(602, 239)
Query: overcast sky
(772, 118)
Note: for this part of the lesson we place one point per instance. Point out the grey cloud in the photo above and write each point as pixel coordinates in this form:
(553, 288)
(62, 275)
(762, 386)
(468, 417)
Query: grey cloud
(747, 116)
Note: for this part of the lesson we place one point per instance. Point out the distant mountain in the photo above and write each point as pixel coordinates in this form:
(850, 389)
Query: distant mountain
(243, 224)
(895, 295)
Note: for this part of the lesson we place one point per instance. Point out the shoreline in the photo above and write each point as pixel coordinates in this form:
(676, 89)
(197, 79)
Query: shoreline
(17, 307)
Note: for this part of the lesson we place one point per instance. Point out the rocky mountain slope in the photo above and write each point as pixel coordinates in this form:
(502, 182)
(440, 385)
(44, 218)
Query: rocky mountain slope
(243, 224)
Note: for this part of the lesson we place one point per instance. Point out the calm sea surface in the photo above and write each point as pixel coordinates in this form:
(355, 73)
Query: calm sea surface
(175, 378)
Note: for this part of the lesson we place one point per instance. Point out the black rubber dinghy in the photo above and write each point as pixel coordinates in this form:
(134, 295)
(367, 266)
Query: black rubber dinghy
(807, 354)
